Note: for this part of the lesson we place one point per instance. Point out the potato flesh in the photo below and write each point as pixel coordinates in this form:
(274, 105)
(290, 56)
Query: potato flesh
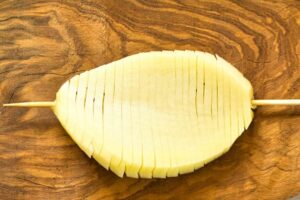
(156, 114)
(199, 102)
(148, 154)
(133, 169)
(97, 141)
(172, 171)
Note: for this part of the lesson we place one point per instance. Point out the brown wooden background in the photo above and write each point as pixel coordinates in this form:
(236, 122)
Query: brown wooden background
(43, 43)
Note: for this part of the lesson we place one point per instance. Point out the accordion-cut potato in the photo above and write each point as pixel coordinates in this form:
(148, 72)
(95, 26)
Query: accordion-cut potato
(156, 114)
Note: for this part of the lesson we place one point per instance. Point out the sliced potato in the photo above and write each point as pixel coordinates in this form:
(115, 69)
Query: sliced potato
(156, 114)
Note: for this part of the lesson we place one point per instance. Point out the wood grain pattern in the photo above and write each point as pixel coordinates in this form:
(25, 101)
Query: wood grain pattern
(43, 43)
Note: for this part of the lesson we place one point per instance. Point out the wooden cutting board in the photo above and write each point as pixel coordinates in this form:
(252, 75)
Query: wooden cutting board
(44, 43)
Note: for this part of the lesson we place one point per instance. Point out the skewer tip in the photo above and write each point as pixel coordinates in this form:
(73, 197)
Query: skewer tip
(267, 102)
(31, 104)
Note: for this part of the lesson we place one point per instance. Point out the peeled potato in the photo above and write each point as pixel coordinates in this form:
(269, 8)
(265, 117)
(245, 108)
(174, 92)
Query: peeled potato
(156, 114)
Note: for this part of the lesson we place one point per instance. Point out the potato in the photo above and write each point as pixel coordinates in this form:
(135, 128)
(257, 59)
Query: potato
(156, 114)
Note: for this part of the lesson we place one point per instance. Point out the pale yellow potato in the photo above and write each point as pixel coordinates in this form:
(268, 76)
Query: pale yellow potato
(156, 114)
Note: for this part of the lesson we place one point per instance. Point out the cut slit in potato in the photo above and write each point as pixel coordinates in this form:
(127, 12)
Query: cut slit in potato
(156, 114)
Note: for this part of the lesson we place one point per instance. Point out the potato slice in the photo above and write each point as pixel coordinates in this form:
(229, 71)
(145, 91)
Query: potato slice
(159, 121)
(148, 154)
(199, 100)
(98, 112)
(70, 123)
(169, 103)
(117, 164)
(126, 116)
(134, 167)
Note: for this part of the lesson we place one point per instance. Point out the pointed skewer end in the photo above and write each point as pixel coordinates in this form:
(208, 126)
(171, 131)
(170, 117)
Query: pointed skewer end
(31, 104)
(270, 102)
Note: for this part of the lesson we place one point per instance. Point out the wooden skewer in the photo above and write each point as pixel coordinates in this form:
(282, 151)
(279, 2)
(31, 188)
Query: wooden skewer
(270, 102)
(255, 102)
(31, 104)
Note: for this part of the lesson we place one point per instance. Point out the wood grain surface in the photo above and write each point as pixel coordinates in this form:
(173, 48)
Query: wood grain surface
(44, 43)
